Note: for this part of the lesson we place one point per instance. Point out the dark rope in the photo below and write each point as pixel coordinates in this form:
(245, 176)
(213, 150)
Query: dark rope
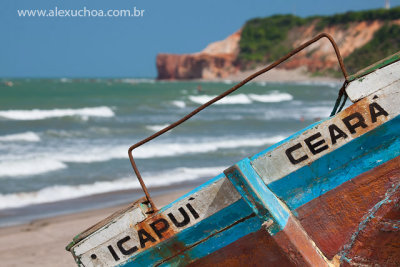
(343, 103)
(342, 92)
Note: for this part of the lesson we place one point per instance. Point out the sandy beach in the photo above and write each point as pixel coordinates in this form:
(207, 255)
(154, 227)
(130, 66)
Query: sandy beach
(280, 75)
(42, 242)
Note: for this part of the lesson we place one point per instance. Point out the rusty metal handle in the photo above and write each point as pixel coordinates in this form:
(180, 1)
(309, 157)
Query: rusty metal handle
(215, 99)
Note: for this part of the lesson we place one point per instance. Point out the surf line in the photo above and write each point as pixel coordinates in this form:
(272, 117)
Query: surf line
(150, 232)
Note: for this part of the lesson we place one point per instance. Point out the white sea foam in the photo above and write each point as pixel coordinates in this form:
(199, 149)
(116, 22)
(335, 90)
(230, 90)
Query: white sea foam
(299, 113)
(106, 153)
(156, 128)
(178, 103)
(22, 166)
(262, 83)
(176, 149)
(65, 80)
(25, 137)
(228, 81)
(234, 99)
(25, 167)
(63, 192)
(244, 99)
(41, 114)
(270, 98)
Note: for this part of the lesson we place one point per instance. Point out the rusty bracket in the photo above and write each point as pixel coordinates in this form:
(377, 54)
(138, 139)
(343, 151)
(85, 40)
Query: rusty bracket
(219, 97)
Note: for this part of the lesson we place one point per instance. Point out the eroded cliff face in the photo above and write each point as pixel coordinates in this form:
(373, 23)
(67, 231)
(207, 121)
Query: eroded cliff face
(195, 66)
(320, 55)
(219, 59)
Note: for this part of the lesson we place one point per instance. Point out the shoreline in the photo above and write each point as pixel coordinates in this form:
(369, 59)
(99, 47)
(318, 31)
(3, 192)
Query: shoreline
(279, 75)
(25, 214)
(43, 241)
(276, 75)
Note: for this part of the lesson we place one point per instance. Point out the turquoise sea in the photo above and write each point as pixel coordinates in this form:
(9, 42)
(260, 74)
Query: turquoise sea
(67, 139)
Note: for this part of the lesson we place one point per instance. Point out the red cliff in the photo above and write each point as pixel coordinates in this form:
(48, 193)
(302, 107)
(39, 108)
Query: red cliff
(220, 59)
(215, 61)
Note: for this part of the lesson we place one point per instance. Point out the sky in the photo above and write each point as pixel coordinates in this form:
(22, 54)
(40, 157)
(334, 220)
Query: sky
(127, 46)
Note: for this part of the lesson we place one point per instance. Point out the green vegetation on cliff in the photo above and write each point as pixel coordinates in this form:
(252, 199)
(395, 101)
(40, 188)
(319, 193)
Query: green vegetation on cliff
(263, 38)
(386, 41)
(267, 39)
(367, 15)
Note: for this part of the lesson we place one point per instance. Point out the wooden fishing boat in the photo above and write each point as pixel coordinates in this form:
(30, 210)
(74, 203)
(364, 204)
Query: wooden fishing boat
(326, 196)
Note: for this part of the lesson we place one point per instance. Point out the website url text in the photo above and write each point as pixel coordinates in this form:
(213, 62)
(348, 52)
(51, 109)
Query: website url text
(83, 12)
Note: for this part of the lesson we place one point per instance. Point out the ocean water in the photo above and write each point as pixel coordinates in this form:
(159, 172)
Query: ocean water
(63, 139)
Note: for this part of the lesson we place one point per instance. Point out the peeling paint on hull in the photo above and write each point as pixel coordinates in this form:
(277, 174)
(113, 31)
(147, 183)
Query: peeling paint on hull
(328, 195)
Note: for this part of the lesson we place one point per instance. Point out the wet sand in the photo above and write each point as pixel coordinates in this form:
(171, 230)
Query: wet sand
(42, 242)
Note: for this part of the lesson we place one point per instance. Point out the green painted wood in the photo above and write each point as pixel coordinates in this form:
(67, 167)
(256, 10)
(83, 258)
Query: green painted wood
(380, 64)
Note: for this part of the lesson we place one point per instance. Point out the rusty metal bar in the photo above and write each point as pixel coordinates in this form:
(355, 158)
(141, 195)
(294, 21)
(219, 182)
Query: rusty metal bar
(219, 97)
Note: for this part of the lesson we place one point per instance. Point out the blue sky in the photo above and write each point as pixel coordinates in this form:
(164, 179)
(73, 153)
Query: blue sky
(127, 47)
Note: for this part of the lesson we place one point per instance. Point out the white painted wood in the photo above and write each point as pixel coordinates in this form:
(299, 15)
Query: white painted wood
(206, 202)
(275, 164)
(370, 83)
(118, 225)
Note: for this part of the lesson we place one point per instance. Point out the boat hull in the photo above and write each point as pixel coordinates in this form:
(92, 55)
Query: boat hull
(326, 196)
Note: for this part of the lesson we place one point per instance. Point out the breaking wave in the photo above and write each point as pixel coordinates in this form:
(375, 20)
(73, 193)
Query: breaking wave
(244, 99)
(50, 161)
(174, 149)
(103, 153)
(178, 103)
(271, 98)
(156, 128)
(24, 137)
(41, 114)
(299, 113)
(234, 99)
(29, 167)
(64, 192)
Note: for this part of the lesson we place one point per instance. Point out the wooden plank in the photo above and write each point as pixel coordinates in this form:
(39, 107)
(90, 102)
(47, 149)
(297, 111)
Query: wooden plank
(256, 249)
(328, 135)
(115, 245)
(380, 64)
(332, 218)
(109, 220)
(374, 81)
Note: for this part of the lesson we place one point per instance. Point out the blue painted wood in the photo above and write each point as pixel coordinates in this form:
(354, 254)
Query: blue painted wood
(209, 226)
(218, 241)
(275, 201)
(354, 158)
(296, 189)
(258, 196)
